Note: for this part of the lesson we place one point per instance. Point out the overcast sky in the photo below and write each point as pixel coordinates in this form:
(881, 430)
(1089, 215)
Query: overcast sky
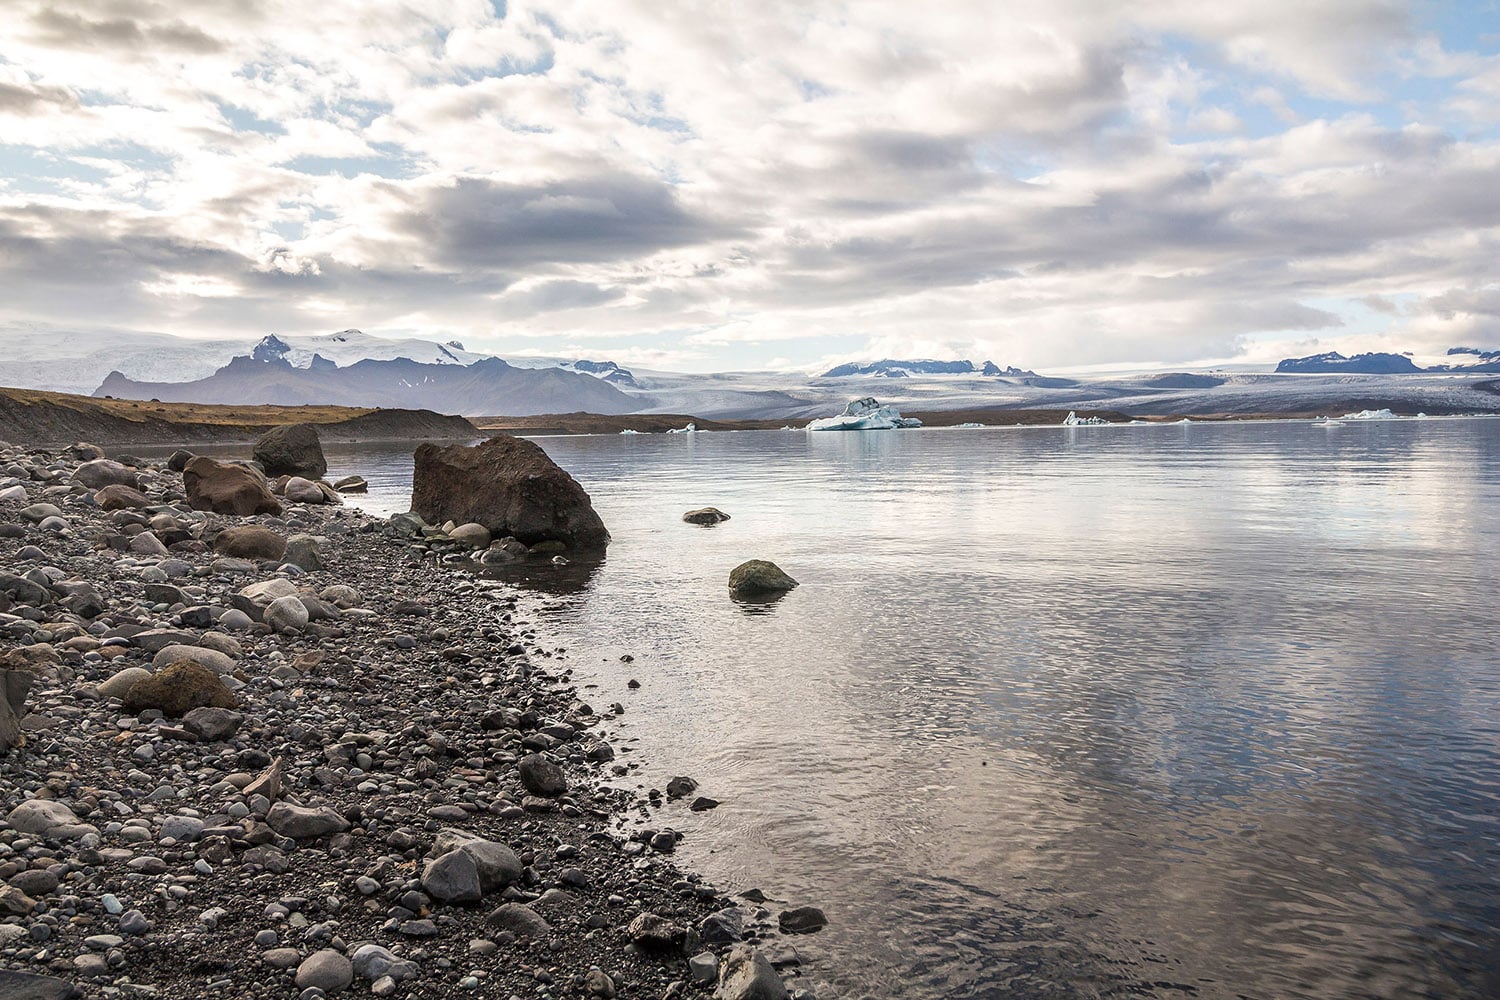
(711, 186)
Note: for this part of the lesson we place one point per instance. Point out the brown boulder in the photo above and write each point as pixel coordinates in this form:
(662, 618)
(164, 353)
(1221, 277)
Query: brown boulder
(292, 450)
(120, 497)
(180, 688)
(508, 485)
(104, 472)
(250, 542)
(226, 489)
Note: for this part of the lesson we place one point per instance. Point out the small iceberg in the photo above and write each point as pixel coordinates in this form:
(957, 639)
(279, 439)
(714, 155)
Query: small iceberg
(960, 426)
(689, 429)
(630, 430)
(865, 415)
(1371, 415)
(1074, 420)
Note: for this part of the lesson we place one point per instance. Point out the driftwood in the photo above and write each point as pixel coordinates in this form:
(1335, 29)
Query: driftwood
(15, 685)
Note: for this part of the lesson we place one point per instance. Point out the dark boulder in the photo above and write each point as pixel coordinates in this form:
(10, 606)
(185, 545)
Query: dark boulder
(709, 516)
(226, 489)
(757, 578)
(180, 688)
(293, 450)
(508, 485)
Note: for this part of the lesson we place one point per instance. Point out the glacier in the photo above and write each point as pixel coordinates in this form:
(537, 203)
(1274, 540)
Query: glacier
(865, 415)
(1074, 420)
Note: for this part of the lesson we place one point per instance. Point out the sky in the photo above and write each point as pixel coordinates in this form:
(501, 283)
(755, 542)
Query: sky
(709, 186)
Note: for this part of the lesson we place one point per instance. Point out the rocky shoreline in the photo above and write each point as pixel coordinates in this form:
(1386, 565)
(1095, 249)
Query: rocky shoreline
(391, 789)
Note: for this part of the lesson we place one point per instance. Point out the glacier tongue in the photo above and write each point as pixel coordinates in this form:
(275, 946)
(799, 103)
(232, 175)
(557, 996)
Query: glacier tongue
(865, 415)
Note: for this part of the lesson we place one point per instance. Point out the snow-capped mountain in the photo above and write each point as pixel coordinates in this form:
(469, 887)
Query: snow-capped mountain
(891, 368)
(349, 347)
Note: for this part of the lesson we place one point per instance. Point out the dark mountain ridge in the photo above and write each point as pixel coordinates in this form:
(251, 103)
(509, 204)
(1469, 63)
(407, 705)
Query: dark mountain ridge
(487, 386)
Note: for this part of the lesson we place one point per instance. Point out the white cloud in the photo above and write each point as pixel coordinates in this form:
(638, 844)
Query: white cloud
(1077, 181)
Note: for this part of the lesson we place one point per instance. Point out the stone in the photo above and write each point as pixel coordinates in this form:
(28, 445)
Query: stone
(178, 460)
(134, 923)
(183, 828)
(748, 975)
(28, 986)
(475, 536)
(452, 878)
(521, 920)
(291, 450)
(496, 864)
(286, 614)
(801, 920)
(83, 451)
(118, 684)
(50, 818)
(341, 596)
(213, 659)
(121, 497)
(681, 786)
(541, 776)
(155, 640)
(266, 591)
(300, 490)
(39, 512)
(371, 961)
(36, 881)
(147, 544)
(703, 968)
(653, 932)
(180, 688)
(250, 541)
(510, 487)
(15, 685)
(352, 484)
(268, 782)
(706, 516)
(212, 724)
(102, 472)
(304, 822)
(758, 577)
(304, 550)
(326, 970)
(226, 489)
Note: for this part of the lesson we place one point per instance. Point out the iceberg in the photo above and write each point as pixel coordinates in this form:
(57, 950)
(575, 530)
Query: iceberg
(1074, 420)
(689, 429)
(1371, 415)
(865, 415)
(965, 425)
(630, 430)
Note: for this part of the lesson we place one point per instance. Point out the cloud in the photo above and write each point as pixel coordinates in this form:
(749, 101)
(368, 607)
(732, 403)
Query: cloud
(1078, 181)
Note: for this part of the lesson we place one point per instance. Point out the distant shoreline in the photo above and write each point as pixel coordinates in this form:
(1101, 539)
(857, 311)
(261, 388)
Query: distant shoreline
(42, 419)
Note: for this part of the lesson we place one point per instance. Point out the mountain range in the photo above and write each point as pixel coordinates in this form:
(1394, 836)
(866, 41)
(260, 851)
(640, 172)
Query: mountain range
(1466, 359)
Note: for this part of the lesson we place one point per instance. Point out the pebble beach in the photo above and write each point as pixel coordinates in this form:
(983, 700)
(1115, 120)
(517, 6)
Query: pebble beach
(345, 767)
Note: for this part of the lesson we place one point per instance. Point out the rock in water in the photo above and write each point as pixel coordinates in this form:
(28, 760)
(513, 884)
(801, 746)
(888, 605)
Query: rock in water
(802, 920)
(226, 489)
(508, 485)
(705, 515)
(179, 689)
(250, 542)
(747, 975)
(758, 577)
(293, 450)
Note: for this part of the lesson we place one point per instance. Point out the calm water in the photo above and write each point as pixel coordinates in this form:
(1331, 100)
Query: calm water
(1185, 710)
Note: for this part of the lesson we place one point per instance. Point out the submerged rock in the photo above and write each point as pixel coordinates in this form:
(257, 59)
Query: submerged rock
(705, 515)
(510, 487)
(758, 577)
(748, 975)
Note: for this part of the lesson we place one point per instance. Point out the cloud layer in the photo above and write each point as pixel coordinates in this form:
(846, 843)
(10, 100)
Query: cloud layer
(708, 186)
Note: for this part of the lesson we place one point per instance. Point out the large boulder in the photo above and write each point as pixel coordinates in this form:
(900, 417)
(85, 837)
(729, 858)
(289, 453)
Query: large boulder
(293, 450)
(14, 686)
(226, 489)
(118, 496)
(103, 472)
(508, 485)
(249, 541)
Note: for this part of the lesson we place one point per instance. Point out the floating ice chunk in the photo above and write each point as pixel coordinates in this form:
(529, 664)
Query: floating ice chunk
(1074, 420)
(865, 415)
(689, 429)
(630, 430)
(957, 426)
(1371, 415)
